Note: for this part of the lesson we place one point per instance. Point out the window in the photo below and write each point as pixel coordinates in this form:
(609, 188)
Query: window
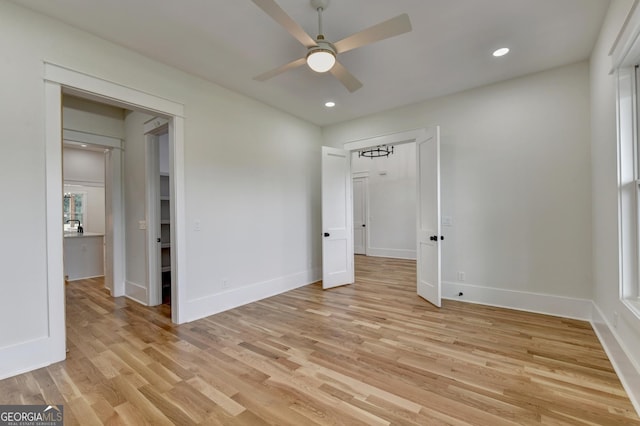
(625, 57)
(73, 210)
(629, 184)
(632, 291)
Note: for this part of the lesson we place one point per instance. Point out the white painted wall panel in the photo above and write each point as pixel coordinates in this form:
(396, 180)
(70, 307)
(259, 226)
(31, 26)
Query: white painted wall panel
(163, 152)
(82, 166)
(91, 117)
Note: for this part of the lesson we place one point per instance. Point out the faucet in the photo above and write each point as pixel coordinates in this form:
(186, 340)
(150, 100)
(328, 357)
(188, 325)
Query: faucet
(80, 230)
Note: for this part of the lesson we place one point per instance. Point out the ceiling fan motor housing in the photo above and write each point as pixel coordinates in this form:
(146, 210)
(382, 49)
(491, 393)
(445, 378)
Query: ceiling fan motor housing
(322, 46)
(324, 50)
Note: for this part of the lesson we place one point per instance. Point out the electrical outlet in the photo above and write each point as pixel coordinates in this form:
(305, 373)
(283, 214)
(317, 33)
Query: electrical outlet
(461, 276)
(225, 283)
(447, 221)
(196, 225)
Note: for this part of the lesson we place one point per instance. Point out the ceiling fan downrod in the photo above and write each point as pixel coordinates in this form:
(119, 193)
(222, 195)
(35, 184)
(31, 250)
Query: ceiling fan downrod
(320, 32)
(320, 6)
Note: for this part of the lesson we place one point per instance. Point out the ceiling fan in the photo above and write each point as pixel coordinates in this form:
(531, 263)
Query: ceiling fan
(321, 54)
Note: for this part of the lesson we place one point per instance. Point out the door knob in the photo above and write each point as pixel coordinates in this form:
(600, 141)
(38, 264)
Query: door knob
(326, 234)
(363, 225)
(158, 240)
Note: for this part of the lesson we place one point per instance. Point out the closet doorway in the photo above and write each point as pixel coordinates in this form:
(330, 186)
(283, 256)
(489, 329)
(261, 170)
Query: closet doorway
(159, 212)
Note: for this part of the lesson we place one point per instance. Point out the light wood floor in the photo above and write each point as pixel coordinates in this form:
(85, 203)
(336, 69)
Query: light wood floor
(372, 353)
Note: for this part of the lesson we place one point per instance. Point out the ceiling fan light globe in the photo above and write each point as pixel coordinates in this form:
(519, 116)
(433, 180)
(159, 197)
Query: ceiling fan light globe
(321, 60)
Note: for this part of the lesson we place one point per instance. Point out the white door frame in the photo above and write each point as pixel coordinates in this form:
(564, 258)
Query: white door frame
(56, 78)
(415, 135)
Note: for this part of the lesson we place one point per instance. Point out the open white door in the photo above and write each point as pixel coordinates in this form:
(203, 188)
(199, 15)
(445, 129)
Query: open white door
(428, 215)
(337, 241)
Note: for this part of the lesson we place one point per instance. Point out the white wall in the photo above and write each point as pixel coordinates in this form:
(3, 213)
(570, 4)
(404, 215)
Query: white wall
(391, 225)
(163, 153)
(515, 180)
(91, 117)
(83, 166)
(605, 197)
(251, 176)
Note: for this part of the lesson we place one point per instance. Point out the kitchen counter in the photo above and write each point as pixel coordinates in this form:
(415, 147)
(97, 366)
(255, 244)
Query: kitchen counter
(83, 255)
(75, 234)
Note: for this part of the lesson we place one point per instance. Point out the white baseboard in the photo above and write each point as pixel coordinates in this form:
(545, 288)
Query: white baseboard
(137, 292)
(392, 253)
(622, 363)
(567, 307)
(232, 298)
(28, 356)
(84, 278)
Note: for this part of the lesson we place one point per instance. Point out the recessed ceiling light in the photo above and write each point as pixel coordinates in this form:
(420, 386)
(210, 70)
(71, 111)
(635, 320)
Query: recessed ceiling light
(330, 104)
(84, 145)
(501, 52)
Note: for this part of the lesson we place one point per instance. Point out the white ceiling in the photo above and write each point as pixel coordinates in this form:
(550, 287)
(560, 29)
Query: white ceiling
(229, 42)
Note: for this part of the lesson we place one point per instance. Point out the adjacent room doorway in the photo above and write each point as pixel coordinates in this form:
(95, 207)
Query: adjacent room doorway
(58, 79)
(338, 220)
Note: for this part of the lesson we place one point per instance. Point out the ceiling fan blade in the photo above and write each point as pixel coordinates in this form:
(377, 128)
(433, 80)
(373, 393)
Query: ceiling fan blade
(390, 28)
(291, 65)
(271, 8)
(346, 78)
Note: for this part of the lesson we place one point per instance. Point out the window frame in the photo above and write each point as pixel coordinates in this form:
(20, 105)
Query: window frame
(628, 162)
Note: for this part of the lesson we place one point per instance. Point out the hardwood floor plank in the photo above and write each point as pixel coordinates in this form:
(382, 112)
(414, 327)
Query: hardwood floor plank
(225, 402)
(83, 411)
(145, 409)
(371, 353)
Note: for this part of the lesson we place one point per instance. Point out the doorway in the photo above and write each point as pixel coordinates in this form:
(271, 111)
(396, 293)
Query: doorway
(338, 220)
(91, 142)
(84, 211)
(159, 211)
(56, 80)
(384, 201)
